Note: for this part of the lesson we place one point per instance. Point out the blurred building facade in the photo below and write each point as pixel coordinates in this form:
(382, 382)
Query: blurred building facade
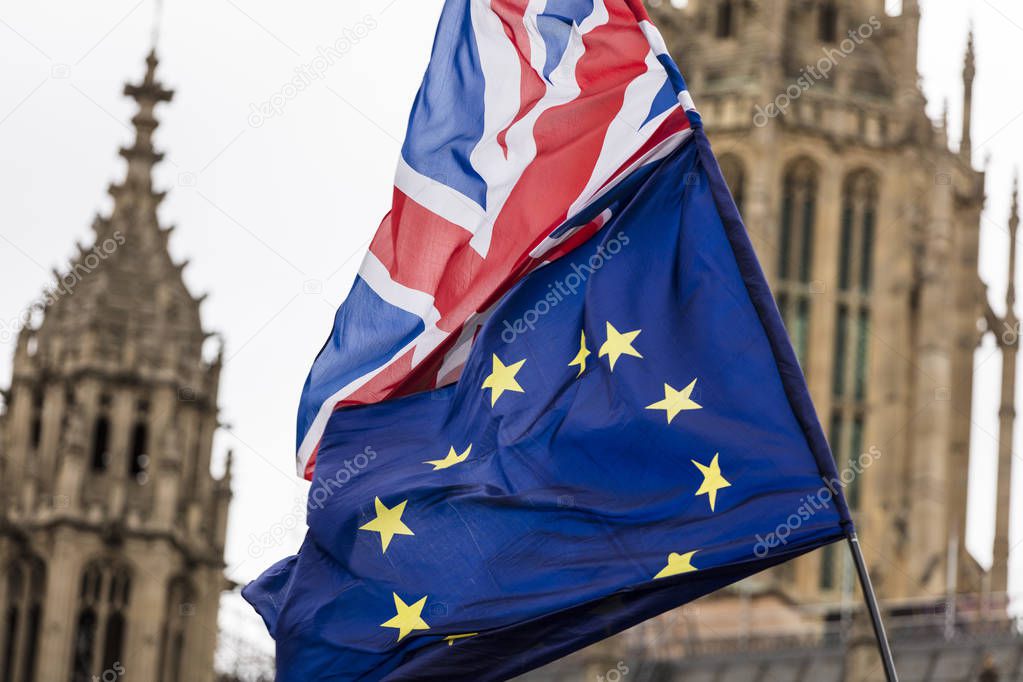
(111, 526)
(867, 224)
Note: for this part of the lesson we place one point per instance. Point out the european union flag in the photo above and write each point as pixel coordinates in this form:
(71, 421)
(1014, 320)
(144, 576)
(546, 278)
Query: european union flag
(631, 431)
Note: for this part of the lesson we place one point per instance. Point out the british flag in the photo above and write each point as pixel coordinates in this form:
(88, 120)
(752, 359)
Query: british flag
(534, 121)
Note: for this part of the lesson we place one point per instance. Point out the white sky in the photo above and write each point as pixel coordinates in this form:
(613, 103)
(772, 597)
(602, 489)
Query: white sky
(275, 218)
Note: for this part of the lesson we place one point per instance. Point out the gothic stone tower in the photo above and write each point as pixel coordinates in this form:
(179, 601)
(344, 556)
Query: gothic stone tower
(111, 526)
(867, 225)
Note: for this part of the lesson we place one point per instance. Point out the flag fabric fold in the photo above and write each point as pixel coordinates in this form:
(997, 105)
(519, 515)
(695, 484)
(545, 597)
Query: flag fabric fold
(533, 120)
(630, 432)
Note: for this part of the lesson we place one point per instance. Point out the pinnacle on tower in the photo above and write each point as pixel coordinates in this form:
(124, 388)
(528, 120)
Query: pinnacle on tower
(969, 72)
(147, 95)
(1014, 218)
(1010, 292)
(136, 191)
(1009, 343)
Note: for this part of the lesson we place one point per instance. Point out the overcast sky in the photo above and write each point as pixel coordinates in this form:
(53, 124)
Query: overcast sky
(274, 213)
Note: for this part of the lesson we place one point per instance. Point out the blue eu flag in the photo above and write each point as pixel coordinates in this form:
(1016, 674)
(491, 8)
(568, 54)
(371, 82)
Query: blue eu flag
(631, 431)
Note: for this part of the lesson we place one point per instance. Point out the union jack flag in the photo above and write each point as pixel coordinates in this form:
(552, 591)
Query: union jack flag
(534, 121)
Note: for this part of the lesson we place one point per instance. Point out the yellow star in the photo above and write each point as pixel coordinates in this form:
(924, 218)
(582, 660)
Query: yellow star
(408, 618)
(388, 522)
(450, 639)
(502, 379)
(618, 344)
(677, 565)
(580, 357)
(676, 401)
(713, 481)
(451, 460)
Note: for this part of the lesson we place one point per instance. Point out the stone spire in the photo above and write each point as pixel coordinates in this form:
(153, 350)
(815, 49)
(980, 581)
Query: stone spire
(969, 72)
(134, 197)
(1010, 292)
(130, 306)
(1008, 339)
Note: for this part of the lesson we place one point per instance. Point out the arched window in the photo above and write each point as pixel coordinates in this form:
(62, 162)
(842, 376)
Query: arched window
(735, 177)
(85, 631)
(724, 21)
(852, 320)
(101, 444)
(180, 605)
(827, 575)
(827, 22)
(104, 595)
(794, 285)
(36, 432)
(139, 460)
(22, 614)
(852, 334)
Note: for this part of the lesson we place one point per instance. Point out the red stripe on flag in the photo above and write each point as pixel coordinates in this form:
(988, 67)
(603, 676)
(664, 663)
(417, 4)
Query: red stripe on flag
(638, 10)
(577, 238)
(531, 85)
(425, 252)
(615, 56)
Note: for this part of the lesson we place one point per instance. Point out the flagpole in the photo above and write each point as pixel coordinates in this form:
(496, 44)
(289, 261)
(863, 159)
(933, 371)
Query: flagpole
(875, 612)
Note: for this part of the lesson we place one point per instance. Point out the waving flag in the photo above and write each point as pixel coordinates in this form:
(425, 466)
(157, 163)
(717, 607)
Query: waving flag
(533, 120)
(631, 431)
